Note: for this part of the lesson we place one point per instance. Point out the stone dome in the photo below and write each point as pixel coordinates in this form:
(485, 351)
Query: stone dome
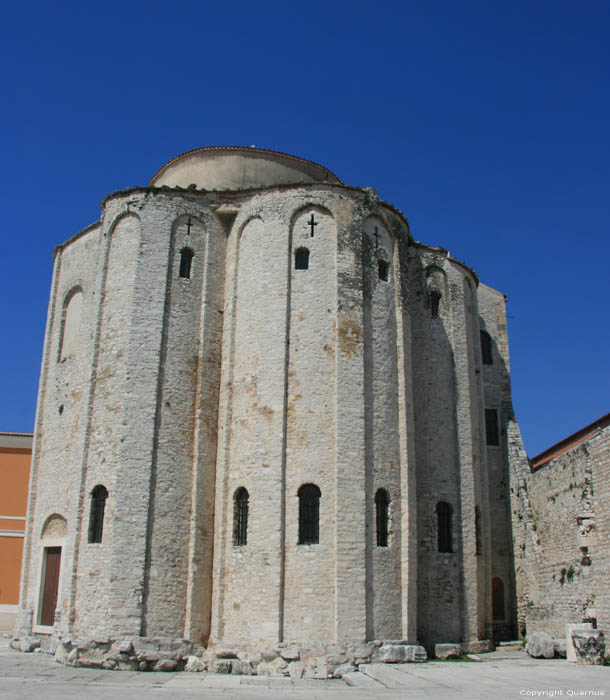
(239, 168)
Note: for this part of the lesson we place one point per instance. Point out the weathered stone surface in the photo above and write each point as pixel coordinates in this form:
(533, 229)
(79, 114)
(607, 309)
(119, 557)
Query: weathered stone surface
(84, 643)
(61, 652)
(540, 646)
(295, 669)
(391, 653)
(142, 645)
(315, 666)
(478, 646)
(125, 646)
(241, 668)
(336, 659)
(268, 654)
(447, 651)
(590, 646)
(363, 653)
(194, 664)
(91, 658)
(28, 644)
(226, 653)
(415, 653)
(221, 666)
(290, 653)
(72, 658)
(560, 647)
(342, 669)
(166, 665)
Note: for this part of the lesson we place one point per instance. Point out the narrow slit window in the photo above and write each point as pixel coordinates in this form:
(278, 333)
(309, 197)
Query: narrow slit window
(383, 269)
(309, 514)
(497, 599)
(491, 426)
(477, 530)
(382, 502)
(301, 259)
(96, 516)
(435, 303)
(486, 354)
(240, 517)
(186, 260)
(443, 518)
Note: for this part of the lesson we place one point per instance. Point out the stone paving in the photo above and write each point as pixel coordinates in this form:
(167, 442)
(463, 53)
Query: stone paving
(500, 675)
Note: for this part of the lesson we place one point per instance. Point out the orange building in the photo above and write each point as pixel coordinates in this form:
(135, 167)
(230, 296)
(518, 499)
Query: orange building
(15, 457)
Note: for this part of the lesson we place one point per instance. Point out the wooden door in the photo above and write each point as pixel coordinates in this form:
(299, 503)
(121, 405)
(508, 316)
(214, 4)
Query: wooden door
(51, 585)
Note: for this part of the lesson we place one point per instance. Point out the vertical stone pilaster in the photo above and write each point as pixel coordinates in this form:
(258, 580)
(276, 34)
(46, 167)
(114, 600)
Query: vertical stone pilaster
(350, 452)
(406, 434)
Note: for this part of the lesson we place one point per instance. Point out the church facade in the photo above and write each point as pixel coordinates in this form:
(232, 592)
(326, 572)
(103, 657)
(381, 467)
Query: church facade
(267, 416)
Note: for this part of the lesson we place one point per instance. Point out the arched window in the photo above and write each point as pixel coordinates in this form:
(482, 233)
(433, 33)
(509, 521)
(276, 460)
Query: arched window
(383, 268)
(70, 329)
(309, 514)
(382, 502)
(497, 599)
(240, 517)
(443, 518)
(96, 515)
(486, 354)
(186, 258)
(301, 259)
(435, 303)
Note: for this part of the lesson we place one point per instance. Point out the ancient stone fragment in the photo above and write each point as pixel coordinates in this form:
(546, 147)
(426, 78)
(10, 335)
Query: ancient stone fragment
(540, 646)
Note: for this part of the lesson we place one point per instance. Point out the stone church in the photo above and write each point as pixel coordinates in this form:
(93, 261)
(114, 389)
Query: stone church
(268, 419)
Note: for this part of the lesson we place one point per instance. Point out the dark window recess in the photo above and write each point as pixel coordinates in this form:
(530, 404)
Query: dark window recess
(486, 354)
(96, 516)
(383, 268)
(497, 599)
(491, 426)
(443, 518)
(240, 517)
(309, 514)
(435, 303)
(477, 529)
(382, 502)
(186, 259)
(301, 259)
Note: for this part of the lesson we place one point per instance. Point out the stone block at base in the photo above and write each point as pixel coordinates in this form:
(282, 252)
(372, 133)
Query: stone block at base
(401, 653)
(448, 651)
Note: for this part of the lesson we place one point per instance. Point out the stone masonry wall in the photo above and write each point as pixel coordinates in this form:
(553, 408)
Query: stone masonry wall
(561, 547)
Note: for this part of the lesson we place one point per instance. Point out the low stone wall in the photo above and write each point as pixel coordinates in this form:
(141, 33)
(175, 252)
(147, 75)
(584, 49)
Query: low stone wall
(166, 654)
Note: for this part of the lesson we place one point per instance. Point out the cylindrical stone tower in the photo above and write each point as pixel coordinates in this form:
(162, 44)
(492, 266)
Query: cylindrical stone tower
(261, 426)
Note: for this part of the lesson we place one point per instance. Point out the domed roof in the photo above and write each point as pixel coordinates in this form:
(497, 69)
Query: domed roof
(238, 168)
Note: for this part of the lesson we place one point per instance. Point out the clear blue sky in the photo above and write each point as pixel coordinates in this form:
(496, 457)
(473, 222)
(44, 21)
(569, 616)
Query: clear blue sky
(487, 123)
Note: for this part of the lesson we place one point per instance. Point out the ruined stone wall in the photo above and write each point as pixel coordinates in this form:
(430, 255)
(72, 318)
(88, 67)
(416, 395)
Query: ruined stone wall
(599, 455)
(561, 549)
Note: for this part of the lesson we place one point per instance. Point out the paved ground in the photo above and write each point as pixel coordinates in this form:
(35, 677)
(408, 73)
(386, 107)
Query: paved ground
(503, 675)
